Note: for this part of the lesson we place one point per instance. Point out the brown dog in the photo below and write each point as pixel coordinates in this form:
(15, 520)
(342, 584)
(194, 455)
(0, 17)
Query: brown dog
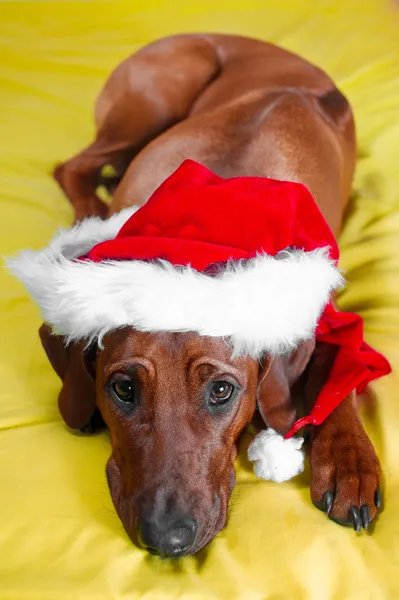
(240, 107)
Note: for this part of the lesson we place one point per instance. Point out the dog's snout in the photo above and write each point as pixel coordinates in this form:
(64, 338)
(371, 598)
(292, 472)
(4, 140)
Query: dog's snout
(168, 538)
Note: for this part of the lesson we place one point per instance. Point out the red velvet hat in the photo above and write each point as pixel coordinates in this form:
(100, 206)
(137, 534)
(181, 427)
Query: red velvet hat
(249, 259)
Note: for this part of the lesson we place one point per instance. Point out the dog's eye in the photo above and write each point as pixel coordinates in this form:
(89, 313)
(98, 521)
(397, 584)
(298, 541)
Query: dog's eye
(221, 392)
(123, 390)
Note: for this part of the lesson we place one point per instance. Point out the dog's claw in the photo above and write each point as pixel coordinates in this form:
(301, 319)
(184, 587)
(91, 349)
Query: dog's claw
(365, 515)
(95, 424)
(356, 518)
(328, 500)
(377, 498)
(89, 428)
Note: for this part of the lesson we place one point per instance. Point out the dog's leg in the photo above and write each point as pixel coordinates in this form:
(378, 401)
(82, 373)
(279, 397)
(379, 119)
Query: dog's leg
(346, 473)
(78, 178)
(144, 96)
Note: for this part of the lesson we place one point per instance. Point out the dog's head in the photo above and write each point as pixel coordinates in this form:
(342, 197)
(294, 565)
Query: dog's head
(175, 405)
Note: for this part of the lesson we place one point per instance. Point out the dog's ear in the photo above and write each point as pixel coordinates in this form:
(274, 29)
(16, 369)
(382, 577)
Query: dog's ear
(277, 378)
(76, 368)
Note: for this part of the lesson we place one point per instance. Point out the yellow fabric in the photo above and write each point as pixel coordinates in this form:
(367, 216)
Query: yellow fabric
(59, 536)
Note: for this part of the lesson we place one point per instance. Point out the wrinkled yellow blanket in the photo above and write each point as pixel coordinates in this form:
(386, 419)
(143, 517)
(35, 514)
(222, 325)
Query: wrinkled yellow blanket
(59, 536)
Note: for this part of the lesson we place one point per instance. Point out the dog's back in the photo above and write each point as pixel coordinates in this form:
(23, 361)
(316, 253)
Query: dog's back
(239, 106)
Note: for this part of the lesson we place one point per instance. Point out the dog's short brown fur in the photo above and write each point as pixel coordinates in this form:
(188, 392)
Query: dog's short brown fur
(240, 107)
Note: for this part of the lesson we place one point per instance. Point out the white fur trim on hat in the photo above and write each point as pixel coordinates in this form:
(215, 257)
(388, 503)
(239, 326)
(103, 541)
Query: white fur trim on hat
(276, 459)
(264, 304)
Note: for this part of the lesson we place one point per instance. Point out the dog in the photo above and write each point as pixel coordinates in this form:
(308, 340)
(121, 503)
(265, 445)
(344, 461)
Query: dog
(240, 107)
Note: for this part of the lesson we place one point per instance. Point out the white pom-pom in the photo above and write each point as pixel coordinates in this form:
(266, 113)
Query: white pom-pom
(275, 458)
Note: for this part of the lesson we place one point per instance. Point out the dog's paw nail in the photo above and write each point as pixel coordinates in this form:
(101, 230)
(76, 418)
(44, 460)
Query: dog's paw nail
(356, 518)
(87, 428)
(365, 515)
(318, 504)
(328, 500)
(377, 498)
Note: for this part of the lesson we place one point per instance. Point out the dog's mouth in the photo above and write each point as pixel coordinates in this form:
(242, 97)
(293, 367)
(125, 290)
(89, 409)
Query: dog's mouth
(214, 519)
(215, 526)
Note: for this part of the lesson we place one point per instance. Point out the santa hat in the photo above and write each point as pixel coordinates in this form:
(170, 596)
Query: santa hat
(248, 259)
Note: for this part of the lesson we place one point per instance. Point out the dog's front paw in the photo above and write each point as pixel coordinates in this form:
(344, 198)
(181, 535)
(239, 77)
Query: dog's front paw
(346, 476)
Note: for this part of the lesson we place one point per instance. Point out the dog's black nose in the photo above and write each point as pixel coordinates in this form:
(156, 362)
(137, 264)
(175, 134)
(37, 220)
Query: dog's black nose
(171, 539)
